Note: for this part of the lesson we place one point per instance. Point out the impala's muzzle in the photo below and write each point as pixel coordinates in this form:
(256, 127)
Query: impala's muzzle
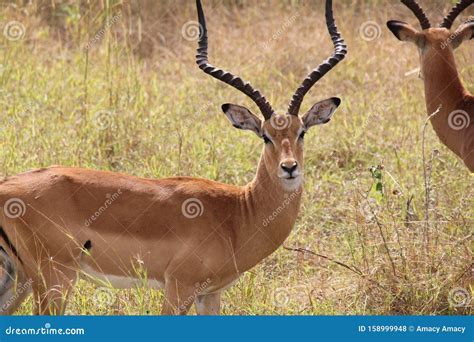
(289, 173)
(289, 168)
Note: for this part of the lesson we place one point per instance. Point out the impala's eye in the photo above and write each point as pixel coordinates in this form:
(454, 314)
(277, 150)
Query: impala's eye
(302, 135)
(266, 139)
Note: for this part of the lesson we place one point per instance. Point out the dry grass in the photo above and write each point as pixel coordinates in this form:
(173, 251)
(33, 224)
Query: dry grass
(162, 118)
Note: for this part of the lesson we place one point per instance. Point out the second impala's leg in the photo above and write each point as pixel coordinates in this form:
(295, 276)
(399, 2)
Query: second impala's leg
(208, 304)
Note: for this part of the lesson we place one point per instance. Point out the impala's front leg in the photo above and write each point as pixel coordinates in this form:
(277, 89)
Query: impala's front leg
(178, 297)
(209, 304)
(51, 289)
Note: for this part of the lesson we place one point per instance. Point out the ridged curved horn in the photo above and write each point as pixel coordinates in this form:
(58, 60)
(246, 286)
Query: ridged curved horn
(419, 13)
(340, 50)
(455, 11)
(224, 76)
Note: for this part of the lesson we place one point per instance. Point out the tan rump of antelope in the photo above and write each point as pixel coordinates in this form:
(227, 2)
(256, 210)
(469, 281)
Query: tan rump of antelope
(193, 237)
(454, 123)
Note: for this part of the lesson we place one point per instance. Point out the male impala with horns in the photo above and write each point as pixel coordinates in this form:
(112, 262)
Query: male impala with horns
(194, 237)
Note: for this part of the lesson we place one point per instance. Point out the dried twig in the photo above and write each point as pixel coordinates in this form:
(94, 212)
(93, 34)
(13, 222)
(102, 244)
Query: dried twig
(379, 225)
(304, 250)
(350, 268)
(425, 173)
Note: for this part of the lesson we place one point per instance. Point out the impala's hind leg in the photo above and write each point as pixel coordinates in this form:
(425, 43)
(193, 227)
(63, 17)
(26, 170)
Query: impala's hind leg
(51, 289)
(14, 285)
(179, 298)
(208, 304)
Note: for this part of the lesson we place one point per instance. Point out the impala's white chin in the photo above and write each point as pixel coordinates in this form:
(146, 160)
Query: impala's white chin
(291, 184)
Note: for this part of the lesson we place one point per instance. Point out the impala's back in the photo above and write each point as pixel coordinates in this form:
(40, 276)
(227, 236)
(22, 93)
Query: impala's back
(105, 220)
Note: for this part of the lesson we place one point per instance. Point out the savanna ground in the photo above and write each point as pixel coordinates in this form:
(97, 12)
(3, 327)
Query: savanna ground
(393, 234)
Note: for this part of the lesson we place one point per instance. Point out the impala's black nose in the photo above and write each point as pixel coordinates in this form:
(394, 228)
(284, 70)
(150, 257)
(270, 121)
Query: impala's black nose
(289, 167)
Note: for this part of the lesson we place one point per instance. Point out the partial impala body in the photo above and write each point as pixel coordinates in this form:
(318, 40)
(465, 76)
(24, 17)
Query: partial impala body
(454, 123)
(192, 237)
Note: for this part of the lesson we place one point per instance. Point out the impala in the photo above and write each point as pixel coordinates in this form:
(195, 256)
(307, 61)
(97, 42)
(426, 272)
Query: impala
(193, 237)
(454, 123)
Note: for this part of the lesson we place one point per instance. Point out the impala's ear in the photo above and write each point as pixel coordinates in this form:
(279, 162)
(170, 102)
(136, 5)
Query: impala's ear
(405, 32)
(464, 32)
(242, 118)
(321, 112)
